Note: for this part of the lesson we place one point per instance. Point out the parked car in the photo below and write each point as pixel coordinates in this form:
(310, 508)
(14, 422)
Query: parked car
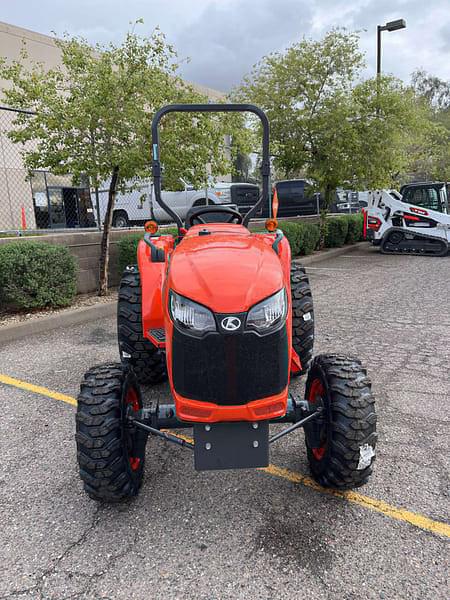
(137, 205)
(296, 197)
(243, 195)
(349, 201)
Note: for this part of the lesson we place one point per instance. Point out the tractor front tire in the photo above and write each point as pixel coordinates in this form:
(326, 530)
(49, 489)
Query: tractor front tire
(148, 362)
(302, 317)
(110, 459)
(342, 451)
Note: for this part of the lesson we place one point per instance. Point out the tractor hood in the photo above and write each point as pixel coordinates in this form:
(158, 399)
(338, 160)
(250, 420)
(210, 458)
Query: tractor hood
(228, 272)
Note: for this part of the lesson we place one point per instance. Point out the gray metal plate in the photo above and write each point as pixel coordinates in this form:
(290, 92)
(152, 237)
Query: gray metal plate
(238, 445)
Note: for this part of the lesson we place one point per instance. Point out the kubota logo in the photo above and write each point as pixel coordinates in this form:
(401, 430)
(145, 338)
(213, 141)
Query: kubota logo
(230, 323)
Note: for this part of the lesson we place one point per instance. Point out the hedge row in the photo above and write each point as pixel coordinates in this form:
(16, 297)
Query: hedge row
(36, 275)
(343, 230)
(303, 237)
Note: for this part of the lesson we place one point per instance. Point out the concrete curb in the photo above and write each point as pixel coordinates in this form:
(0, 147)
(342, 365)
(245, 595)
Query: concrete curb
(329, 253)
(17, 331)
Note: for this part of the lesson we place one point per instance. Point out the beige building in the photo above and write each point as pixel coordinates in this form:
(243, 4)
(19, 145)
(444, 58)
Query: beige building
(18, 198)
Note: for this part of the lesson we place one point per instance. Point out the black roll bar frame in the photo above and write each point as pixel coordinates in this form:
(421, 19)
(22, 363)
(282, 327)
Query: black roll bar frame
(156, 164)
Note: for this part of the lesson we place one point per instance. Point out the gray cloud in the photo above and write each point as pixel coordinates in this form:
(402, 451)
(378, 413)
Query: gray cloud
(227, 40)
(445, 37)
(224, 38)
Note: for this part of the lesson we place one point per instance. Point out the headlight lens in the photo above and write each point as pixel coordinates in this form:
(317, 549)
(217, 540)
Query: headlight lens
(224, 195)
(190, 316)
(269, 313)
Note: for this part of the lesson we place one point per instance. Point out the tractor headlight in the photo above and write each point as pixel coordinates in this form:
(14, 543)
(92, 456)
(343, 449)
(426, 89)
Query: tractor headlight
(269, 313)
(190, 316)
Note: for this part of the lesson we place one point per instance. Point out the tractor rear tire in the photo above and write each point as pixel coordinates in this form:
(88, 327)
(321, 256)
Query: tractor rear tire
(302, 317)
(148, 362)
(111, 463)
(344, 448)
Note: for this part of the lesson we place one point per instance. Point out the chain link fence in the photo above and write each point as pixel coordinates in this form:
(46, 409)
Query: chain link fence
(38, 201)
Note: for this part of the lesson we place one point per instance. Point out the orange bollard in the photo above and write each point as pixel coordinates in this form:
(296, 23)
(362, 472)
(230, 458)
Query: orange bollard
(24, 219)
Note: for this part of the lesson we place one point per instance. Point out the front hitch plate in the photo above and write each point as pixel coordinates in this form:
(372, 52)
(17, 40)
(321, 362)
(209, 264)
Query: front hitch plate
(240, 445)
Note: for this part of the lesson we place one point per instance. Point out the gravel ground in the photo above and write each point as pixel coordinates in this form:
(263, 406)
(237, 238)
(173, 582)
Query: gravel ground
(242, 534)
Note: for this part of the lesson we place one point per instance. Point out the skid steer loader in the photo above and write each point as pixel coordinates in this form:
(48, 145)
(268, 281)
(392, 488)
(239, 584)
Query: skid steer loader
(415, 221)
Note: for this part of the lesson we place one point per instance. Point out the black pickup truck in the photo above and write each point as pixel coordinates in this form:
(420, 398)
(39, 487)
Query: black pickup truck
(296, 197)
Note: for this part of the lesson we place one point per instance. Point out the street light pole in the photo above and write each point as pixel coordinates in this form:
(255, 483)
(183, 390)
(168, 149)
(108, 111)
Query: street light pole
(391, 26)
(379, 30)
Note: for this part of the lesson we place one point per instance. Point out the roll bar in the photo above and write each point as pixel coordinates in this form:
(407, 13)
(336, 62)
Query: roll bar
(156, 165)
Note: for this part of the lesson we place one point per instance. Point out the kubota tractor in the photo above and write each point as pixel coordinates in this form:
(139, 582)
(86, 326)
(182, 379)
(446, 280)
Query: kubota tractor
(224, 315)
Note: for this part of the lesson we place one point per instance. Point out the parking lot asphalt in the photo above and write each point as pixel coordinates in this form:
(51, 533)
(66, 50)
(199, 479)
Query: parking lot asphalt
(243, 534)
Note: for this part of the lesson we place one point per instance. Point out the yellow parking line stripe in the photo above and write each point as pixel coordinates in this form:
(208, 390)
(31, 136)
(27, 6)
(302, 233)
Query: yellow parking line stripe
(37, 389)
(185, 438)
(384, 508)
(399, 514)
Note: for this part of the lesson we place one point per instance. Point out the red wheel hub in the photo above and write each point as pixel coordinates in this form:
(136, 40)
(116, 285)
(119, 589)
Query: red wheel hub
(132, 400)
(316, 394)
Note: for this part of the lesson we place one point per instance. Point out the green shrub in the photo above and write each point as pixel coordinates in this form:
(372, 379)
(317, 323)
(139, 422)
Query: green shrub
(336, 232)
(294, 235)
(36, 275)
(127, 247)
(355, 229)
(302, 237)
(310, 237)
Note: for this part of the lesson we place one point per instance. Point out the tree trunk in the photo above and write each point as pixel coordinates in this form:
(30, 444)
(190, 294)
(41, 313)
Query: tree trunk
(104, 249)
(323, 215)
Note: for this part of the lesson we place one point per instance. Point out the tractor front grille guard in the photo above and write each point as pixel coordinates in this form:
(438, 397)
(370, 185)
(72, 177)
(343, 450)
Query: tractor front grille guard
(265, 165)
(226, 368)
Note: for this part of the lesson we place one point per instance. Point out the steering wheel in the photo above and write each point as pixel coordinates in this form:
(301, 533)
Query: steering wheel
(195, 218)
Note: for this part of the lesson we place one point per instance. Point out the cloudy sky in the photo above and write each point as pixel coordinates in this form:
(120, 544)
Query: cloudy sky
(224, 38)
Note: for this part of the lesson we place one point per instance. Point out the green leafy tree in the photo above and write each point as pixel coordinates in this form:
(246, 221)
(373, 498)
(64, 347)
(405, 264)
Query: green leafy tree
(433, 156)
(242, 167)
(92, 117)
(325, 121)
(435, 90)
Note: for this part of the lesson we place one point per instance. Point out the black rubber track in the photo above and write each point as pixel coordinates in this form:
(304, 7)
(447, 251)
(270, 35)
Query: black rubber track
(100, 435)
(302, 304)
(350, 421)
(395, 242)
(149, 363)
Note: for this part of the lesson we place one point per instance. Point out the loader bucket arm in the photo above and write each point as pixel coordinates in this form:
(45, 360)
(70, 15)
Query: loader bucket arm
(156, 164)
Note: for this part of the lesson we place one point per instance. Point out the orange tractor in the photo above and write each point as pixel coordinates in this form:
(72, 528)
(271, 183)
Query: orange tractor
(224, 315)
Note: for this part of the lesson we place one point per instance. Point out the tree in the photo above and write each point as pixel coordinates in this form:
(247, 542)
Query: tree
(433, 157)
(93, 117)
(325, 122)
(242, 166)
(435, 90)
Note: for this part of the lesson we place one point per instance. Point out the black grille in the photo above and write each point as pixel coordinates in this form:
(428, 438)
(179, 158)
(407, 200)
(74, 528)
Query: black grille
(230, 369)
